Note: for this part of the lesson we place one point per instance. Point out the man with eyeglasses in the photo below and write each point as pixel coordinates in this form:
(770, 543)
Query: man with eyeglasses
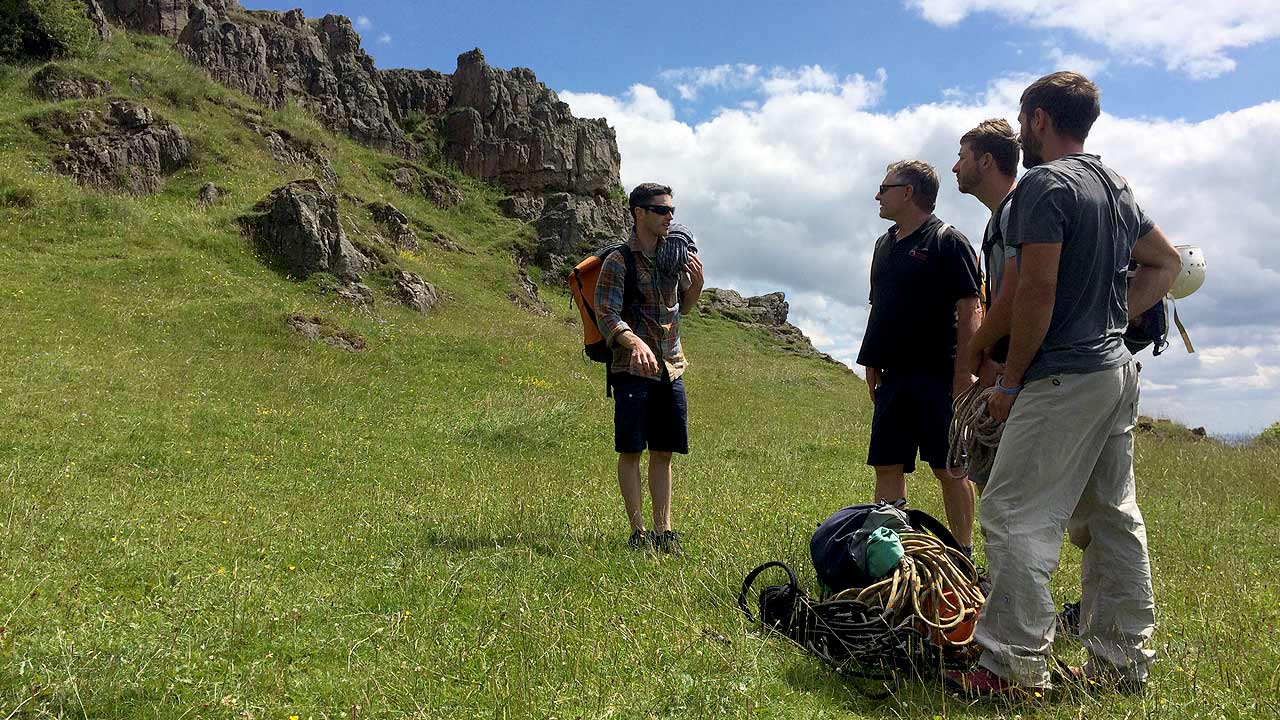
(924, 299)
(648, 363)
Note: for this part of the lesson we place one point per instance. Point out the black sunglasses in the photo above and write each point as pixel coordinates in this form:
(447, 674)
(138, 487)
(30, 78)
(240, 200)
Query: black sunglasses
(886, 187)
(660, 209)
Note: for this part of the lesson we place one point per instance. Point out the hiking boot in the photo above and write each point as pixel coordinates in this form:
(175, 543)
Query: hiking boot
(641, 540)
(984, 683)
(669, 543)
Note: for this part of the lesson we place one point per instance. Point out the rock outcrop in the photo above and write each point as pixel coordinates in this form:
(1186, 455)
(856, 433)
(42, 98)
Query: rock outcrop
(56, 83)
(765, 312)
(317, 328)
(412, 180)
(501, 126)
(125, 148)
(506, 127)
(395, 225)
(570, 226)
(297, 226)
(417, 95)
(415, 292)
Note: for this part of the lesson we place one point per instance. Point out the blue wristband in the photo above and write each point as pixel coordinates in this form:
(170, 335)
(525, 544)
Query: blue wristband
(1006, 390)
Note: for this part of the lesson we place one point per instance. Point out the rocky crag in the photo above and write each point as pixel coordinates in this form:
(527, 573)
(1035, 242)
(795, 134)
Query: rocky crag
(767, 313)
(501, 126)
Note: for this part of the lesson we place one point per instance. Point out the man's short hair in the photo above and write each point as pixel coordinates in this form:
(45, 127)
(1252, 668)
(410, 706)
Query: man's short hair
(994, 136)
(1070, 99)
(644, 192)
(922, 178)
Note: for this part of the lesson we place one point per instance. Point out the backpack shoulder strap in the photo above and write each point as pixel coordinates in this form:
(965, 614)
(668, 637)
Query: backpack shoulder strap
(631, 286)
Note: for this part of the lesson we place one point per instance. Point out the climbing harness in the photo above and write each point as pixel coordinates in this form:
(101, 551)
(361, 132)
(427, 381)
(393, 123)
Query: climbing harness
(974, 435)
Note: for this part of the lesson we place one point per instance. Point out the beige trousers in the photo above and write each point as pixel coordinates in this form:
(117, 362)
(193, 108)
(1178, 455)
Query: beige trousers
(1065, 463)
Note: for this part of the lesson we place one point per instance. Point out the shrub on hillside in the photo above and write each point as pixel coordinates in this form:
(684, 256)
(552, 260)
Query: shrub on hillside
(1270, 437)
(44, 29)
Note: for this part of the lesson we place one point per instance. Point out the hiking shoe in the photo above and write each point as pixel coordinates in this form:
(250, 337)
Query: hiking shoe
(669, 543)
(641, 540)
(984, 683)
(1069, 620)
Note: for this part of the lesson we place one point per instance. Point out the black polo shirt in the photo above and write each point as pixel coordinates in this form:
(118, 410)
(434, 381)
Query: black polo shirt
(915, 284)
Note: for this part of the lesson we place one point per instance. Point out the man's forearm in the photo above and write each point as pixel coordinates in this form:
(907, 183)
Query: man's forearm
(968, 320)
(1028, 326)
(995, 324)
(689, 299)
(1148, 285)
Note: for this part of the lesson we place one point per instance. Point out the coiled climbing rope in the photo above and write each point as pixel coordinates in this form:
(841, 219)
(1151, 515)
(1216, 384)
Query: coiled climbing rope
(974, 435)
(933, 584)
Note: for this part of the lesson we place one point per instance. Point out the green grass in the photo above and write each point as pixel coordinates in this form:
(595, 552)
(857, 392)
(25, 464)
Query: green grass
(204, 515)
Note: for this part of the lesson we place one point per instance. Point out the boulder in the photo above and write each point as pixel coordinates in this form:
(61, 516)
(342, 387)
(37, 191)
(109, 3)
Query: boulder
(297, 226)
(56, 83)
(317, 328)
(415, 292)
(210, 193)
(526, 296)
(125, 150)
(395, 224)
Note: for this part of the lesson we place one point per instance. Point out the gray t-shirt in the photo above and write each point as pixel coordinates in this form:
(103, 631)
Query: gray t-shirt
(1086, 207)
(996, 250)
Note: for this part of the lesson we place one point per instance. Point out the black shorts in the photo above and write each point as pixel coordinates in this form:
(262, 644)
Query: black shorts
(649, 413)
(913, 412)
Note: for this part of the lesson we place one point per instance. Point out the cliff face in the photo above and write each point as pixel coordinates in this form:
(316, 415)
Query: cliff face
(501, 126)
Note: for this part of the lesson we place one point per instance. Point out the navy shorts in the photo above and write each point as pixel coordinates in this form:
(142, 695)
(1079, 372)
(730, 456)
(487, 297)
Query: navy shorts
(913, 412)
(649, 413)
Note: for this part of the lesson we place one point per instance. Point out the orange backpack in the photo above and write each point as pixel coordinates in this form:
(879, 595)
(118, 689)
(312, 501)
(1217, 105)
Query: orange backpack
(582, 284)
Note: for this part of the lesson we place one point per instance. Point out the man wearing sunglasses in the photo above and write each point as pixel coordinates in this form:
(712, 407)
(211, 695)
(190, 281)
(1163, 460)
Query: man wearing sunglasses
(648, 361)
(924, 298)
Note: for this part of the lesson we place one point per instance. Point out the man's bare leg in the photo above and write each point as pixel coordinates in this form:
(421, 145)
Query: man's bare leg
(891, 483)
(660, 490)
(957, 498)
(629, 483)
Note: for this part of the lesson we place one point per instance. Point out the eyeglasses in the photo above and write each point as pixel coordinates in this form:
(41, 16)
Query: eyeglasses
(660, 209)
(886, 187)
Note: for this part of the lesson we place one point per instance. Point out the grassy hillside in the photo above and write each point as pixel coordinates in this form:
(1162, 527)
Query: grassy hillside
(205, 515)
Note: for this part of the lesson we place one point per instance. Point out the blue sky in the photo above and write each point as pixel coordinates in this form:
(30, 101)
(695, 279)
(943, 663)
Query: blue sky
(774, 122)
(606, 47)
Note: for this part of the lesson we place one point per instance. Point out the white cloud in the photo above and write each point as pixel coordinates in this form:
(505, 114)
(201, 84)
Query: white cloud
(781, 196)
(1190, 37)
(363, 22)
(689, 81)
(384, 39)
(1061, 60)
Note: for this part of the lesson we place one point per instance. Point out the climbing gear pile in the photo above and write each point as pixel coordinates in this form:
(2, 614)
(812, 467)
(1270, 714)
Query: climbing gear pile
(918, 619)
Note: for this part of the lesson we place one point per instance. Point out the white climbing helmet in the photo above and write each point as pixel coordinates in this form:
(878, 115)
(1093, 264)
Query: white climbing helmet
(1191, 276)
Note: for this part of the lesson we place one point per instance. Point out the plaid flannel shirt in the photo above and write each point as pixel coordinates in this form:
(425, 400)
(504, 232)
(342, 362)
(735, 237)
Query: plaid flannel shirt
(655, 319)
